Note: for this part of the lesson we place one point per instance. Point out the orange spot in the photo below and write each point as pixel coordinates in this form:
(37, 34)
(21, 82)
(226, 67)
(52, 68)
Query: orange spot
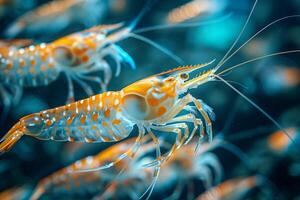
(152, 101)
(107, 113)
(43, 68)
(91, 44)
(88, 140)
(70, 119)
(85, 58)
(50, 65)
(48, 122)
(9, 64)
(22, 62)
(279, 140)
(72, 139)
(32, 62)
(79, 51)
(94, 127)
(43, 56)
(161, 110)
(104, 124)
(95, 116)
(116, 121)
(83, 119)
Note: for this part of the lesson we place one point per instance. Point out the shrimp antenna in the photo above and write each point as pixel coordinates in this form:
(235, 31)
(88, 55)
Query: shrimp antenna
(257, 33)
(255, 105)
(181, 25)
(259, 58)
(145, 9)
(239, 36)
(159, 47)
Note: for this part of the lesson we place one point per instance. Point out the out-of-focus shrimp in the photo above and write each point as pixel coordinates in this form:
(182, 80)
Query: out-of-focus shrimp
(16, 193)
(195, 8)
(53, 17)
(231, 189)
(13, 43)
(66, 182)
(14, 7)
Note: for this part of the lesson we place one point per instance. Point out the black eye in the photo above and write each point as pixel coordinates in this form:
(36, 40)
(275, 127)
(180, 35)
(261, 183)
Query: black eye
(184, 76)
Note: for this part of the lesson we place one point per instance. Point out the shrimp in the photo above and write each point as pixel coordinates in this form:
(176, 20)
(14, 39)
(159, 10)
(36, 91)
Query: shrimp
(91, 183)
(56, 16)
(232, 189)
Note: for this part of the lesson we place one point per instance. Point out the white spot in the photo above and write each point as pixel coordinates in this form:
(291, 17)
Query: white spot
(93, 98)
(101, 104)
(64, 113)
(76, 110)
(88, 107)
(21, 51)
(81, 101)
(100, 37)
(158, 95)
(43, 45)
(31, 48)
(117, 102)
(10, 53)
(89, 160)
(108, 94)
(36, 118)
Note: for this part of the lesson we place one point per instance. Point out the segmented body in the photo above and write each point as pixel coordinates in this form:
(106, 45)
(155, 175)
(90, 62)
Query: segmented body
(31, 66)
(95, 119)
(41, 64)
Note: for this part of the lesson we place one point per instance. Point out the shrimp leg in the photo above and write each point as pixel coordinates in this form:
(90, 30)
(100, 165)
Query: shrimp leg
(70, 96)
(6, 103)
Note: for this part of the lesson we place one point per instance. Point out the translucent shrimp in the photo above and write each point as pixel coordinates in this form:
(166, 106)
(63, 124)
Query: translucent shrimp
(54, 17)
(232, 189)
(66, 182)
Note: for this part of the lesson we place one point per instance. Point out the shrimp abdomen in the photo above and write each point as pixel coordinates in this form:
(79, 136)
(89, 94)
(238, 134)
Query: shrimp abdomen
(95, 119)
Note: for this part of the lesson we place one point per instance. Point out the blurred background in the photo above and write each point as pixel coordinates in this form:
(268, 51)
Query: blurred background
(273, 83)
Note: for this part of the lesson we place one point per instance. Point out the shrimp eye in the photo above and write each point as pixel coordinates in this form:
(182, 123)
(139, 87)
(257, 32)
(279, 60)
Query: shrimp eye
(184, 76)
(64, 56)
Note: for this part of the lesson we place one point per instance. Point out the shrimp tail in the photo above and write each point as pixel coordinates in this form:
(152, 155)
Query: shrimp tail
(13, 136)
